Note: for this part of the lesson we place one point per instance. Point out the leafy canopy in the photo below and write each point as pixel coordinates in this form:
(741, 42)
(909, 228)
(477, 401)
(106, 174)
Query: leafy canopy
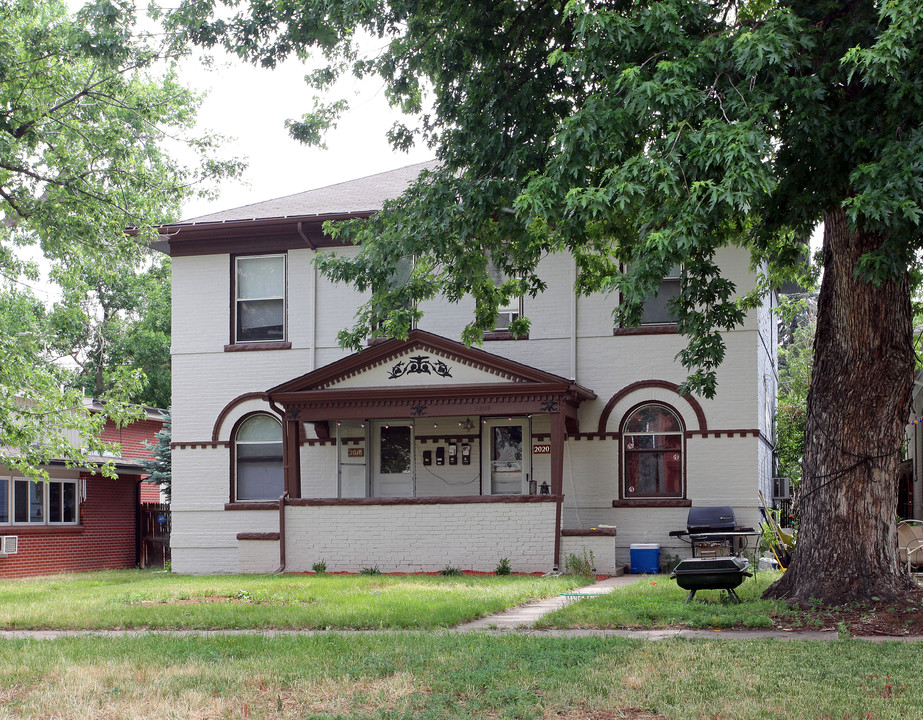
(91, 119)
(635, 136)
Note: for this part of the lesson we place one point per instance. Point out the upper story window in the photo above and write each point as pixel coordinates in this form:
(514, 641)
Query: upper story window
(259, 299)
(655, 310)
(258, 453)
(506, 312)
(652, 442)
(24, 501)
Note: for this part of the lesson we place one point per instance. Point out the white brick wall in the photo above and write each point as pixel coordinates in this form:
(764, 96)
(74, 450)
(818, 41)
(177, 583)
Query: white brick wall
(719, 470)
(410, 538)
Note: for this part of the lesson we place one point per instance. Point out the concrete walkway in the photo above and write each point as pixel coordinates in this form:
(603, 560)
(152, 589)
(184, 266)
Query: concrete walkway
(526, 615)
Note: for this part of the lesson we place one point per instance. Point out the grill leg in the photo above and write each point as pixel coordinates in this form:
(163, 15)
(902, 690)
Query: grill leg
(733, 595)
(689, 597)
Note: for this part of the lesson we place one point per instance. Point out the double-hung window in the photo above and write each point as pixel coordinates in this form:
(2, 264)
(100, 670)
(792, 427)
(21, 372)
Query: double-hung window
(506, 312)
(656, 310)
(258, 450)
(259, 302)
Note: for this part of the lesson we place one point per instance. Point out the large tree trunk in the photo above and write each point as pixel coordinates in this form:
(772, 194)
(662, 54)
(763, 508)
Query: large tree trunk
(857, 411)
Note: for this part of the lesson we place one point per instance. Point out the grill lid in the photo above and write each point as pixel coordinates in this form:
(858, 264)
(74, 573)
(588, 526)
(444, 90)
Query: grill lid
(718, 518)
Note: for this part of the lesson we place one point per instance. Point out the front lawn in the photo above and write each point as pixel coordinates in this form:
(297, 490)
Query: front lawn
(658, 602)
(456, 676)
(142, 599)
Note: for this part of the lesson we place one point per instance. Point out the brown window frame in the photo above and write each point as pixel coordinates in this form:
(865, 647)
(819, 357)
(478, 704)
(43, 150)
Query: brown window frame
(238, 344)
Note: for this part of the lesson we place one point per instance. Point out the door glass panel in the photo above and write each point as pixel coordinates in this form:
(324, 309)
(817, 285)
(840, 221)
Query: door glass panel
(394, 454)
(506, 460)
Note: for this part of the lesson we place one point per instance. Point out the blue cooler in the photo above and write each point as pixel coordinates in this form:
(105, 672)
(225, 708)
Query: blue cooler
(645, 558)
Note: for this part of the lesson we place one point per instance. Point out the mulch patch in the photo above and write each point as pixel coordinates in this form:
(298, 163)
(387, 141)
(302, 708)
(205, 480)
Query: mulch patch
(896, 619)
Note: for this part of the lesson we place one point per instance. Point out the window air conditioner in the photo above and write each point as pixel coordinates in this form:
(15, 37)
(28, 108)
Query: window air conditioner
(780, 488)
(9, 544)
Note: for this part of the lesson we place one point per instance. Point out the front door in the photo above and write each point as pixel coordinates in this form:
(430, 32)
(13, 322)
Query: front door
(392, 469)
(505, 466)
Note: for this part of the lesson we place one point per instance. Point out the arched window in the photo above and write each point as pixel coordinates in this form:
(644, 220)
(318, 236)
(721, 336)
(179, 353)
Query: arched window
(652, 442)
(258, 452)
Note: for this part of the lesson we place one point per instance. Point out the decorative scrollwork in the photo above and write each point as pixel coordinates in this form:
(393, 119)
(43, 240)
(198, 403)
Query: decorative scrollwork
(420, 365)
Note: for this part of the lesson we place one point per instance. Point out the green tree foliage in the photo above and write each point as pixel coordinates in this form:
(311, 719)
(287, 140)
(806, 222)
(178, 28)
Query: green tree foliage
(91, 117)
(161, 466)
(638, 136)
(113, 319)
(795, 365)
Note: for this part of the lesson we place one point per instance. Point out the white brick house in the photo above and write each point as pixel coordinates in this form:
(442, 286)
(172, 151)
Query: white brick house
(421, 454)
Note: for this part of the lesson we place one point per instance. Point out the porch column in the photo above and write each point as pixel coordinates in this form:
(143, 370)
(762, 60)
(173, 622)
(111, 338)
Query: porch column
(291, 459)
(557, 478)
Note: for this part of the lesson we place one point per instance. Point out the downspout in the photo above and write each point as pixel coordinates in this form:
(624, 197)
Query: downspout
(312, 246)
(282, 499)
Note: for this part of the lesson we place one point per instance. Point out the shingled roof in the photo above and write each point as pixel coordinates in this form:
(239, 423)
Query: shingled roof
(364, 195)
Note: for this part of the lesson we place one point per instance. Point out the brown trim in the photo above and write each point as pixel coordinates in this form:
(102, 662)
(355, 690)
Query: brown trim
(502, 335)
(427, 402)
(225, 411)
(263, 505)
(449, 500)
(291, 460)
(40, 529)
(424, 439)
(664, 329)
(199, 445)
(245, 237)
(258, 536)
(743, 432)
(245, 347)
(645, 385)
(588, 532)
(652, 503)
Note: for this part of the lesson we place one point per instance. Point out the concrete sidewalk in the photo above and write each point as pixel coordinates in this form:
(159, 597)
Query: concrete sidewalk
(526, 615)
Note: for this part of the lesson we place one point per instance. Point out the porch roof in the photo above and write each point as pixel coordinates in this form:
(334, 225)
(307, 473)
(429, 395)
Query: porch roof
(421, 383)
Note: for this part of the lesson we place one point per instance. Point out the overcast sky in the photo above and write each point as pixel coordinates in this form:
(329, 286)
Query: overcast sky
(251, 104)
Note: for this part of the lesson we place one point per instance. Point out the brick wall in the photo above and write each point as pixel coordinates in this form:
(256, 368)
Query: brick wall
(104, 540)
(131, 438)
(410, 538)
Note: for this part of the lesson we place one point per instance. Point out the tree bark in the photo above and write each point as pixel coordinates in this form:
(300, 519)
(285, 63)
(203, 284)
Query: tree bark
(857, 413)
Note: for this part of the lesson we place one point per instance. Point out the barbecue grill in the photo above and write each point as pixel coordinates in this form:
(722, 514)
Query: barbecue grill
(723, 573)
(713, 531)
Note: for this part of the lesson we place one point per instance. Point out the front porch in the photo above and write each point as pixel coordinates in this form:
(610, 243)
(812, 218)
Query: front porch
(420, 454)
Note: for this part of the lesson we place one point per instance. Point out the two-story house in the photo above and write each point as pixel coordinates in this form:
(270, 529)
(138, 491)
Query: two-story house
(418, 454)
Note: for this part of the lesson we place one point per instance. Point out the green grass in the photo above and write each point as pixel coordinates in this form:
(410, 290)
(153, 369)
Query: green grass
(140, 599)
(448, 675)
(657, 602)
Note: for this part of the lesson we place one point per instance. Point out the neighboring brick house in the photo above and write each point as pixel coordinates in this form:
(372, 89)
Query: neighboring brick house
(79, 520)
(420, 454)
